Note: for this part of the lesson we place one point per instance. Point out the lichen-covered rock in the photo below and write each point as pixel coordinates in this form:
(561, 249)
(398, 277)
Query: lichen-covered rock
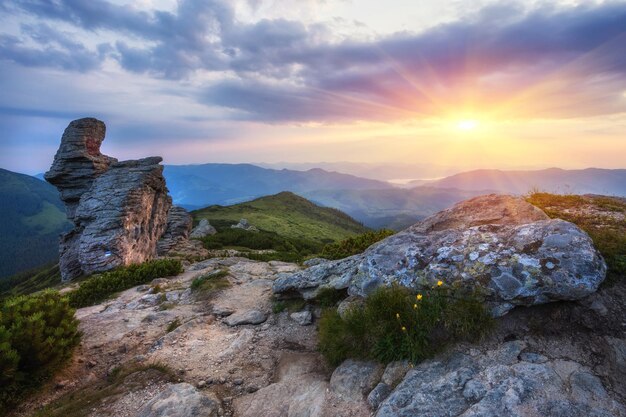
(498, 383)
(502, 245)
(119, 209)
(181, 400)
(203, 229)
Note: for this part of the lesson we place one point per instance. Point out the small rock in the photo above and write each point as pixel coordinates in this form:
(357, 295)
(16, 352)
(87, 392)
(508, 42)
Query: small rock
(180, 400)
(251, 388)
(303, 318)
(237, 381)
(474, 391)
(533, 357)
(378, 395)
(246, 317)
(201, 384)
(355, 379)
(394, 372)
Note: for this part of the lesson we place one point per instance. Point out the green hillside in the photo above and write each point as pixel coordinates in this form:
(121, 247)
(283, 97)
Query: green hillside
(31, 218)
(287, 215)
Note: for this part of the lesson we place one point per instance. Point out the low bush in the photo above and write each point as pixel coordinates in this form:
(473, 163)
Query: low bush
(37, 333)
(354, 245)
(99, 287)
(261, 240)
(291, 306)
(395, 324)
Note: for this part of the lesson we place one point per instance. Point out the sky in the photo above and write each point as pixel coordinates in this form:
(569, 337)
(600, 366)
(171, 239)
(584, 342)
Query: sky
(456, 83)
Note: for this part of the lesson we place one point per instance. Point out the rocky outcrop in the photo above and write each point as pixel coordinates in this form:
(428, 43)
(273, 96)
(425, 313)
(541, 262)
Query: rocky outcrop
(244, 225)
(179, 223)
(119, 209)
(203, 229)
(502, 382)
(502, 245)
(78, 162)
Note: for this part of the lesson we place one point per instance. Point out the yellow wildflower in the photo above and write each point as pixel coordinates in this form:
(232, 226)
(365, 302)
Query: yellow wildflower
(439, 283)
(418, 296)
(397, 315)
(403, 329)
(414, 306)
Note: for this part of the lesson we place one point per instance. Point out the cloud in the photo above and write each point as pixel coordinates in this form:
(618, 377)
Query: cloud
(550, 61)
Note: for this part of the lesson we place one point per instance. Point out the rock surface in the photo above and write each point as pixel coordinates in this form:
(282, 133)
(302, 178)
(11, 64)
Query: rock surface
(355, 379)
(119, 209)
(203, 229)
(500, 244)
(246, 317)
(499, 384)
(179, 223)
(243, 224)
(176, 242)
(180, 400)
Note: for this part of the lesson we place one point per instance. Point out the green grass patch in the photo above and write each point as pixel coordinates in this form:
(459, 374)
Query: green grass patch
(287, 215)
(354, 245)
(100, 287)
(211, 282)
(593, 214)
(37, 334)
(393, 324)
(120, 381)
(31, 281)
(173, 325)
(292, 305)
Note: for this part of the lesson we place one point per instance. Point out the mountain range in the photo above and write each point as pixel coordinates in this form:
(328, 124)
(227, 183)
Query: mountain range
(197, 186)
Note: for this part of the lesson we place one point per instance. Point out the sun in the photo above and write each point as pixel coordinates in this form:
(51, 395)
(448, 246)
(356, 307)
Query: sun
(467, 125)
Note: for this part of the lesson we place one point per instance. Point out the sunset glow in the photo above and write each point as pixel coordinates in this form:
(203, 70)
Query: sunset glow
(281, 81)
(467, 124)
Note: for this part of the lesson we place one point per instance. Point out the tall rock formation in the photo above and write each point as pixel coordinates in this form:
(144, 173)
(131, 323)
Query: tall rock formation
(119, 209)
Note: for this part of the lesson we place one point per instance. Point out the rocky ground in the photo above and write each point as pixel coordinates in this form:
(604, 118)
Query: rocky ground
(167, 350)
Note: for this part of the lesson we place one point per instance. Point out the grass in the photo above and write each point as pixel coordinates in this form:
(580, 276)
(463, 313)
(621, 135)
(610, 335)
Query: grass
(608, 234)
(354, 245)
(395, 324)
(287, 215)
(28, 282)
(292, 305)
(207, 284)
(102, 286)
(173, 325)
(120, 381)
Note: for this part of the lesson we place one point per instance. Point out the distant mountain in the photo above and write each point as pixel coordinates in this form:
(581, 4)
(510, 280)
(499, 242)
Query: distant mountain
(288, 215)
(390, 208)
(553, 180)
(195, 186)
(31, 219)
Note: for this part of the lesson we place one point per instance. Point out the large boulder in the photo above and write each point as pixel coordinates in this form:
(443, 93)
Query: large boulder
(119, 209)
(179, 224)
(502, 245)
(501, 382)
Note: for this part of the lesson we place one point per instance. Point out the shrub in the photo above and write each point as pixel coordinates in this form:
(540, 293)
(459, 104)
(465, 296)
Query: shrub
(261, 240)
(37, 333)
(354, 245)
(292, 305)
(99, 287)
(173, 325)
(394, 324)
(329, 297)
